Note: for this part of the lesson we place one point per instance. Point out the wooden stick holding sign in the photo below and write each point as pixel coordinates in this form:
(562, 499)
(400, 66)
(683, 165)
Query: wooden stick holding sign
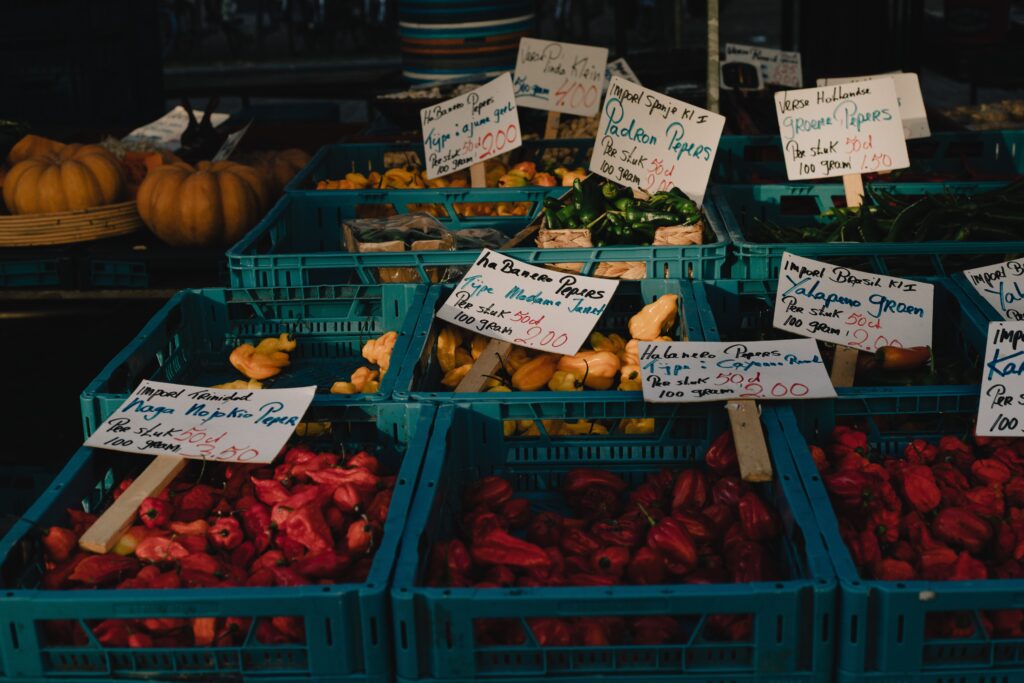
(748, 437)
(844, 363)
(478, 175)
(551, 127)
(489, 362)
(108, 529)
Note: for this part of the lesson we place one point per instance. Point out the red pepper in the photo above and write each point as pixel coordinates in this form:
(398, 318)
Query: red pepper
(1007, 623)
(611, 561)
(937, 562)
(293, 627)
(347, 498)
(580, 480)
(112, 632)
(98, 570)
(1014, 491)
(545, 529)
(202, 562)
(721, 516)
(155, 512)
(193, 544)
(336, 520)
(325, 565)
(889, 569)
(968, 568)
(595, 503)
(244, 554)
(59, 543)
(196, 502)
(852, 489)
(378, 508)
(990, 471)
(271, 558)
(226, 533)
(700, 528)
(140, 640)
(578, 542)
(845, 439)
(691, 490)
(961, 528)
(670, 538)
(870, 550)
(920, 452)
(516, 512)
(648, 496)
(458, 562)
(364, 460)
(256, 523)
(121, 487)
(80, 521)
(748, 562)
(760, 522)
(731, 627)
(308, 494)
(363, 480)
(599, 631)
(721, 456)
(500, 575)
(286, 576)
(279, 514)
(489, 492)
(952, 449)
(919, 488)
(654, 630)
(627, 532)
(985, 501)
(361, 537)
(886, 525)
(193, 578)
(481, 521)
(266, 634)
(1011, 457)
(159, 549)
(820, 459)
(307, 526)
(551, 632)
(197, 528)
(270, 492)
(1005, 542)
(261, 578)
(590, 579)
(498, 547)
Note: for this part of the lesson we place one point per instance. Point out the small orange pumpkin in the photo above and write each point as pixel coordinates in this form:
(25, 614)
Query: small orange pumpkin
(213, 203)
(280, 167)
(32, 146)
(74, 177)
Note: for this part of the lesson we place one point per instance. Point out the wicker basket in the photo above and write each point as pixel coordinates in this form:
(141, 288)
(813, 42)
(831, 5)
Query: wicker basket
(66, 227)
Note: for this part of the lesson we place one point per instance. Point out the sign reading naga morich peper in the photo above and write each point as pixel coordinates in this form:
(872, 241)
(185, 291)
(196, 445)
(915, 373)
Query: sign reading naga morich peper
(841, 130)
(560, 77)
(864, 311)
(654, 142)
(247, 426)
(777, 67)
(688, 372)
(1002, 286)
(470, 128)
(502, 298)
(1001, 409)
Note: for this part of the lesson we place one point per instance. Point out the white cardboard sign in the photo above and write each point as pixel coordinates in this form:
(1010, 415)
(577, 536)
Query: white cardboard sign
(542, 309)
(166, 131)
(246, 426)
(778, 67)
(1002, 381)
(471, 128)
(621, 68)
(693, 372)
(908, 94)
(1002, 286)
(654, 142)
(864, 311)
(562, 77)
(230, 143)
(838, 130)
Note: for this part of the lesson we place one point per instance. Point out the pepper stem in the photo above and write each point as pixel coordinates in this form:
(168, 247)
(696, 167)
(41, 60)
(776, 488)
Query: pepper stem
(643, 510)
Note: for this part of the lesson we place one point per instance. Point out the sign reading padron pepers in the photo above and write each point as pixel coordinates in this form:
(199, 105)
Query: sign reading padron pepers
(864, 311)
(247, 426)
(654, 142)
(470, 128)
(502, 298)
(841, 130)
(1002, 381)
(561, 77)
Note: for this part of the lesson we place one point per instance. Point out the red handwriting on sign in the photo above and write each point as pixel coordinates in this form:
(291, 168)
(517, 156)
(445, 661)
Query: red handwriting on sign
(862, 334)
(659, 176)
(492, 143)
(209, 446)
(542, 337)
(862, 148)
(576, 94)
(753, 387)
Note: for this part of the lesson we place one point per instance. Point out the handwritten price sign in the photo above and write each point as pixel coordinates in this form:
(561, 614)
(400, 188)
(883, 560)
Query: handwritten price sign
(470, 128)
(1002, 381)
(864, 311)
(204, 424)
(908, 94)
(654, 142)
(542, 309)
(693, 372)
(562, 77)
(841, 129)
(1002, 286)
(778, 67)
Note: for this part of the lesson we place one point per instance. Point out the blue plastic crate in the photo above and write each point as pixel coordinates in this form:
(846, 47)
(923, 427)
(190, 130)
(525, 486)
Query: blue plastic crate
(334, 161)
(743, 310)
(50, 267)
(881, 633)
(420, 378)
(986, 312)
(188, 340)
(799, 205)
(347, 626)
(434, 635)
(300, 242)
(994, 155)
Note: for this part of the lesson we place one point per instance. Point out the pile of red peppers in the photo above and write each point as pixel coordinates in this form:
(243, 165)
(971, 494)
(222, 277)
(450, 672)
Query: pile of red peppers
(696, 526)
(946, 511)
(316, 518)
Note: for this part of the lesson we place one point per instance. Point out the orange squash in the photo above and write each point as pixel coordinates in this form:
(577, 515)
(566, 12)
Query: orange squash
(280, 167)
(32, 146)
(137, 166)
(210, 204)
(72, 178)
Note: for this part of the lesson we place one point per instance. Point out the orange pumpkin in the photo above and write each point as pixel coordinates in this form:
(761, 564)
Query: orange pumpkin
(206, 205)
(72, 178)
(32, 146)
(280, 167)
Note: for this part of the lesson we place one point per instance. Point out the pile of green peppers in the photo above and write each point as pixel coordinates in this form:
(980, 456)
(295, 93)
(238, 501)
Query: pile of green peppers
(614, 217)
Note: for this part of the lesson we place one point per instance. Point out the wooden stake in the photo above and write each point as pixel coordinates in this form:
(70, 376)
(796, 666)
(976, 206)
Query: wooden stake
(551, 127)
(478, 175)
(488, 363)
(108, 529)
(751, 449)
(844, 363)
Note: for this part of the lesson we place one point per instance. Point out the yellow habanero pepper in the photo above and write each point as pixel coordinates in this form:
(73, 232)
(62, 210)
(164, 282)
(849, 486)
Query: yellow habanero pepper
(654, 318)
(596, 369)
(447, 342)
(564, 381)
(535, 374)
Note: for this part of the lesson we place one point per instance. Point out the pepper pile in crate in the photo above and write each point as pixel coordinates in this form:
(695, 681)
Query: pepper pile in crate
(948, 511)
(696, 526)
(316, 518)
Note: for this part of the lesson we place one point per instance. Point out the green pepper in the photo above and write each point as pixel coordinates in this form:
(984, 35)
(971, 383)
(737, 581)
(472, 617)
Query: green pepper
(577, 195)
(624, 203)
(588, 216)
(552, 203)
(609, 190)
(567, 216)
(552, 219)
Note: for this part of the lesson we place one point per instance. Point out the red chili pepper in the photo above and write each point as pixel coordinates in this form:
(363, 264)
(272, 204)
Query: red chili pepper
(1005, 541)
(364, 460)
(489, 492)
(937, 562)
(80, 521)
(1011, 457)
(336, 520)
(361, 537)
(670, 538)
(920, 489)
(226, 533)
(308, 494)
(308, 527)
(886, 525)
(545, 529)
(244, 554)
(721, 456)
(691, 490)
(363, 480)
(271, 558)
(581, 479)
(378, 508)
(627, 532)
(98, 570)
(852, 489)
(347, 497)
(990, 471)
(654, 630)
(1014, 491)
(968, 568)
(155, 512)
(325, 565)
(59, 543)
(112, 632)
(286, 576)
(457, 559)
(728, 491)
(196, 502)
(820, 459)
(269, 491)
(760, 522)
(550, 632)
(611, 561)
(198, 527)
(590, 579)
(920, 452)
(516, 512)
(202, 562)
(481, 522)
(953, 450)
(889, 569)
(498, 547)
(1007, 623)
(985, 501)
(256, 523)
(159, 549)
(732, 627)
(961, 528)
(262, 578)
(122, 487)
(578, 542)
(598, 631)
(500, 575)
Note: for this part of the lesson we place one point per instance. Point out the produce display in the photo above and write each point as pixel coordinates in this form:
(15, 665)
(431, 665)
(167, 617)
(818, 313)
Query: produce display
(943, 511)
(995, 215)
(278, 166)
(697, 526)
(314, 518)
(50, 179)
(989, 115)
(410, 177)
